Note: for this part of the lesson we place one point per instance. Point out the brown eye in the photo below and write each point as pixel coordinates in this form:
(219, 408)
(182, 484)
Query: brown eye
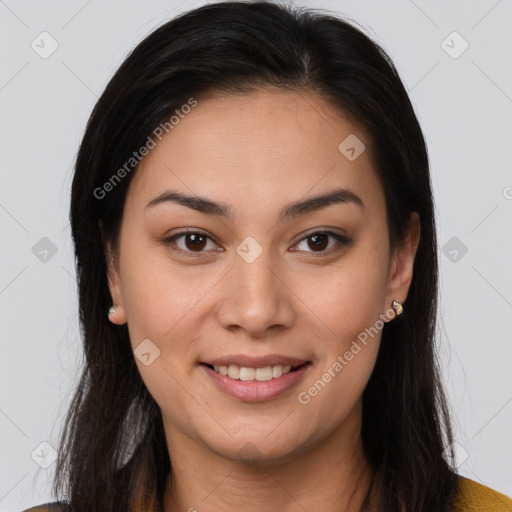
(193, 241)
(319, 241)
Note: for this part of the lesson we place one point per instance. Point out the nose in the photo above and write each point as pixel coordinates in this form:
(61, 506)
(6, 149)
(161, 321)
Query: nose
(256, 297)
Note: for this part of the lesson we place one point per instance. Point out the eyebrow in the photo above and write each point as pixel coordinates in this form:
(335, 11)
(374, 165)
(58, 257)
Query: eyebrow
(292, 210)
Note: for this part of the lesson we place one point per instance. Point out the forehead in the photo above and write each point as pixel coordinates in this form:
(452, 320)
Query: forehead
(261, 146)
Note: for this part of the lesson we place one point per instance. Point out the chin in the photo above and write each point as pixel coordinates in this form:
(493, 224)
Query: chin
(259, 448)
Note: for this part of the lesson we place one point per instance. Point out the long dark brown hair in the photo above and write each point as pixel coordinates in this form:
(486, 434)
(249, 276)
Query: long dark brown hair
(113, 444)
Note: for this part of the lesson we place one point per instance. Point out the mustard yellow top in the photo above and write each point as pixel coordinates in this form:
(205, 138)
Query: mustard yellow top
(471, 497)
(474, 497)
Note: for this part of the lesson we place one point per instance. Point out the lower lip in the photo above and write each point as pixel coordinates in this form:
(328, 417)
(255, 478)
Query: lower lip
(254, 390)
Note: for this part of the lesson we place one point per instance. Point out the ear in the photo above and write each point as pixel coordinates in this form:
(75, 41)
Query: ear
(401, 264)
(117, 317)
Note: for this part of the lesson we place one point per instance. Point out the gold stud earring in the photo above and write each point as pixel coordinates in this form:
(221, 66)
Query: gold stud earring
(397, 307)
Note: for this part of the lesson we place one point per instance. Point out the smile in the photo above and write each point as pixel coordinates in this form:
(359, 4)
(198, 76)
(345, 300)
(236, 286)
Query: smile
(255, 384)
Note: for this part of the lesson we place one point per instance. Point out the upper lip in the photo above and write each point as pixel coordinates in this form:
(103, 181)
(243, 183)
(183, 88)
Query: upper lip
(255, 362)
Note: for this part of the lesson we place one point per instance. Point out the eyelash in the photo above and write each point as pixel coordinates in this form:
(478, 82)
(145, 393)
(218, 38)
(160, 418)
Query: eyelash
(341, 239)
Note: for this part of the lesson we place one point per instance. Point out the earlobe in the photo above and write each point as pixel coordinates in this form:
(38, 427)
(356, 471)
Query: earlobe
(116, 313)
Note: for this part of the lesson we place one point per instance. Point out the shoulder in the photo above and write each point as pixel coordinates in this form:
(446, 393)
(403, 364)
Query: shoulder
(474, 497)
(56, 506)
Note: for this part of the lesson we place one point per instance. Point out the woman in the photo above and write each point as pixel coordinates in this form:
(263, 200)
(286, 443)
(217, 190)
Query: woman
(252, 206)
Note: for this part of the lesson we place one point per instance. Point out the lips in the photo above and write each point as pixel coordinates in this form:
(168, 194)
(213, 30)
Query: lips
(257, 390)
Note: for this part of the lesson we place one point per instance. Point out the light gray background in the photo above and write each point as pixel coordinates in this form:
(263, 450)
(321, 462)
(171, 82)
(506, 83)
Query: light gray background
(464, 105)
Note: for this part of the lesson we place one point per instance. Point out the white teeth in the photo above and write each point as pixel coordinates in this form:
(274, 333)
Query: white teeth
(277, 371)
(263, 373)
(247, 374)
(233, 371)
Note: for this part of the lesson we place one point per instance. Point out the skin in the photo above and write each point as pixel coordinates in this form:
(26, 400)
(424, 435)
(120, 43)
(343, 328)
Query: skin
(258, 152)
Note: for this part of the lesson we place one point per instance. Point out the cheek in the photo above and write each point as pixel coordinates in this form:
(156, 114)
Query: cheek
(348, 336)
(348, 299)
(336, 389)
(347, 305)
(160, 303)
(161, 296)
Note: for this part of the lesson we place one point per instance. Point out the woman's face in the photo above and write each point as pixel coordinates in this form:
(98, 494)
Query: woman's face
(256, 281)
